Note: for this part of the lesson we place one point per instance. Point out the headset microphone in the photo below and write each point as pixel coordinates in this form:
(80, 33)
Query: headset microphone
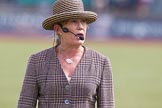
(81, 37)
(66, 30)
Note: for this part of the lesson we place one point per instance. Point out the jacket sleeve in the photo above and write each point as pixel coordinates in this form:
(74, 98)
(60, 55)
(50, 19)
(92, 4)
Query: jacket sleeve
(105, 91)
(29, 91)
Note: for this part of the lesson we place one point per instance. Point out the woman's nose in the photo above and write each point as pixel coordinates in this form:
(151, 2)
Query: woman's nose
(80, 25)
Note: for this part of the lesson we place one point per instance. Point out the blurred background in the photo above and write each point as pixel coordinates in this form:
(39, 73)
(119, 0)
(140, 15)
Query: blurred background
(139, 19)
(129, 32)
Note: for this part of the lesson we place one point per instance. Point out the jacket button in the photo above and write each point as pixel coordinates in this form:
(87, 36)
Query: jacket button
(66, 101)
(67, 87)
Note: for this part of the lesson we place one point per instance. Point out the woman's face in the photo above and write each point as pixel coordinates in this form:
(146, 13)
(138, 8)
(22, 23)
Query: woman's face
(76, 26)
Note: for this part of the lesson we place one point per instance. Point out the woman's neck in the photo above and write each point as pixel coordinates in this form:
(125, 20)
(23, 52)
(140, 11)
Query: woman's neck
(69, 52)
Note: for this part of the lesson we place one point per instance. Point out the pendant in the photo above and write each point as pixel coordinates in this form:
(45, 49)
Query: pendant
(69, 61)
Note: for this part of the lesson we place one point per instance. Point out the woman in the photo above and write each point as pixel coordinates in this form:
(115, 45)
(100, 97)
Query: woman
(68, 75)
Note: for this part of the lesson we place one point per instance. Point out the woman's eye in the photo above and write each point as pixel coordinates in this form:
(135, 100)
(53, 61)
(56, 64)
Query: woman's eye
(83, 21)
(74, 21)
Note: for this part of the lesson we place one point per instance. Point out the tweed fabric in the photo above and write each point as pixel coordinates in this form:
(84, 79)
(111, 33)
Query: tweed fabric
(46, 82)
(68, 9)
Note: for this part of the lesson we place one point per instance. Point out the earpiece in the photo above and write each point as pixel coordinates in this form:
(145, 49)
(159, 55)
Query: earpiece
(65, 30)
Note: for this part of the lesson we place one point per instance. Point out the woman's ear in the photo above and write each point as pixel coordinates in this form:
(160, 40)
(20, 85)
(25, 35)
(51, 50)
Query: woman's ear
(57, 29)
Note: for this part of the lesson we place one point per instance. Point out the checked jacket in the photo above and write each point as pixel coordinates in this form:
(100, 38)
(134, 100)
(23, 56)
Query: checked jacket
(46, 83)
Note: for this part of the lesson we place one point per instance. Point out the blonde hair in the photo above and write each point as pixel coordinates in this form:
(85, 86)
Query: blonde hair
(57, 40)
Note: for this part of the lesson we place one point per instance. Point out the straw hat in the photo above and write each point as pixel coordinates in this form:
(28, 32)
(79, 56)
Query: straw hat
(68, 9)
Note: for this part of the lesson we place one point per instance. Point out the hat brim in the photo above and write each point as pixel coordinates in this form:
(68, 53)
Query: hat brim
(50, 21)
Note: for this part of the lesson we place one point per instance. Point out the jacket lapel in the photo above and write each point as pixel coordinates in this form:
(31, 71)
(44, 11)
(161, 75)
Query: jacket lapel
(80, 72)
(82, 68)
(55, 66)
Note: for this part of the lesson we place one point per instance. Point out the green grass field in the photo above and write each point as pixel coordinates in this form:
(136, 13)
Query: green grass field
(137, 70)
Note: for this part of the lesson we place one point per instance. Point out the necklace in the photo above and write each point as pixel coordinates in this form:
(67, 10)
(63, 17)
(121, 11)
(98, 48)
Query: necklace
(69, 61)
